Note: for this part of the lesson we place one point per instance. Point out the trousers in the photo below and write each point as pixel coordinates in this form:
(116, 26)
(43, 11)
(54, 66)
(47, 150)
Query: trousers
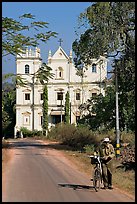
(106, 175)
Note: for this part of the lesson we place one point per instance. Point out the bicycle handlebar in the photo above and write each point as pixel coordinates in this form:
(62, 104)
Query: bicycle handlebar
(95, 156)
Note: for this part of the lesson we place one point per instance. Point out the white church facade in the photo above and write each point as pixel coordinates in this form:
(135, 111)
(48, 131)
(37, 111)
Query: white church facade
(29, 99)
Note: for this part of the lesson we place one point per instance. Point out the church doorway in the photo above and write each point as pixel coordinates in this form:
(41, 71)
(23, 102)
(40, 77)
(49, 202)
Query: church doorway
(57, 119)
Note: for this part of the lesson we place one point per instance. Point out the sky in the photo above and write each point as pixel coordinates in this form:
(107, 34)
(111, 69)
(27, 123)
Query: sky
(61, 16)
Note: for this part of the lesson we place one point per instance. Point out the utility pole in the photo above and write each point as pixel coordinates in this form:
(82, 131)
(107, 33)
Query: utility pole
(117, 115)
(117, 118)
(33, 102)
(70, 112)
(61, 99)
(100, 63)
(70, 63)
(82, 81)
(61, 111)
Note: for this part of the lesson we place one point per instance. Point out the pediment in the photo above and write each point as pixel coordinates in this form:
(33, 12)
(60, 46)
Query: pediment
(40, 113)
(60, 54)
(94, 90)
(77, 90)
(59, 89)
(40, 90)
(26, 113)
(26, 90)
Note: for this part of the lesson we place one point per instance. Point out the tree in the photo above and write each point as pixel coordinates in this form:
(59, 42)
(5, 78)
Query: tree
(8, 109)
(43, 74)
(101, 111)
(14, 42)
(45, 110)
(111, 33)
(67, 108)
(13, 39)
(111, 28)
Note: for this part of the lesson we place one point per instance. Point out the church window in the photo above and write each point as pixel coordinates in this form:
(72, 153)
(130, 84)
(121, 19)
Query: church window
(77, 96)
(94, 69)
(94, 94)
(60, 72)
(26, 120)
(26, 69)
(77, 118)
(27, 97)
(41, 96)
(59, 96)
(41, 120)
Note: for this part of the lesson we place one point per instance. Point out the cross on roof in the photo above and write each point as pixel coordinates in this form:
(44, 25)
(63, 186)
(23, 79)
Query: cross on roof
(60, 41)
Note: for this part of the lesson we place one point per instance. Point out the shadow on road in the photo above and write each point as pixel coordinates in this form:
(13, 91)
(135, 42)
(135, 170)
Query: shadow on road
(76, 186)
(26, 142)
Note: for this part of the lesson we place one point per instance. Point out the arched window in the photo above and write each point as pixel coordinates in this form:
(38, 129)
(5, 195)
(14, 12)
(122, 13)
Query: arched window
(78, 96)
(26, 69)
(60, 72)
(94, 69)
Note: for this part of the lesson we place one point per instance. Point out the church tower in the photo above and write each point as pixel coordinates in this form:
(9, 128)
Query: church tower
(27, 63)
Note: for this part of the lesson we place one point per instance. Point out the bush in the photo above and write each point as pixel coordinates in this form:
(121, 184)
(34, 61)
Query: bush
(62, 132)
(69, 134)
(29, 133)
(26, 132)
(89, 148)
(82, 138)
(128, 137)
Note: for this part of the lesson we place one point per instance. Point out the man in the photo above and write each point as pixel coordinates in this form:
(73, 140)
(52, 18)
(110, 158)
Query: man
(107, 153)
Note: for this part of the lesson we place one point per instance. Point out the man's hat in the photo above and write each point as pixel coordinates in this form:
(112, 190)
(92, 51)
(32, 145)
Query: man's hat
(106, 139)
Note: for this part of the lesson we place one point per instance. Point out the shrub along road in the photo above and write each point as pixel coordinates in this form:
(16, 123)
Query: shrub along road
(37, 172)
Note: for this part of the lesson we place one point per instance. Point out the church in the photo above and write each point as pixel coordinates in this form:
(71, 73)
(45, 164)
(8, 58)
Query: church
(29, 99)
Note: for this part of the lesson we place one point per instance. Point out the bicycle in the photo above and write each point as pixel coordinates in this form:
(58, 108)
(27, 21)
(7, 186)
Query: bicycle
(97, 175)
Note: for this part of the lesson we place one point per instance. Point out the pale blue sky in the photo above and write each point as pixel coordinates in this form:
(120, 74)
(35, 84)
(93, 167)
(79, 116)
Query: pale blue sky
(61, 16)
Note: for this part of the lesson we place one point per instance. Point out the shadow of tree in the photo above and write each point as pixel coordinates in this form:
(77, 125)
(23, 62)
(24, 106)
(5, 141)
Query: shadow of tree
(22, 143)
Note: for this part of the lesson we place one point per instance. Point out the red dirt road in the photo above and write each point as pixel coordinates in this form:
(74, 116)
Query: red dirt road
(39, 173)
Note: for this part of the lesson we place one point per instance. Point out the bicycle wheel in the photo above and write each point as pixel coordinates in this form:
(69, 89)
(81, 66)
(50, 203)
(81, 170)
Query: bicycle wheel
(97, 179)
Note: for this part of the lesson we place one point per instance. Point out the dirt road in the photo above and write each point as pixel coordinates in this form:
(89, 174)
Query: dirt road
(39, 173)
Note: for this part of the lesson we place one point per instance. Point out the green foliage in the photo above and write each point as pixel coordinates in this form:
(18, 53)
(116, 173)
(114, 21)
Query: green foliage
(75, 137)
(16, 79)
(61, 132)
(98, 107)
(45, 110)
(110, 32)
(111, 24)
(13, 39)
(29, 133)
(26, 132)
(89, 148)
(126, 81)
(8, 109)
(128, 137)
(44, 73)
(67, 108)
